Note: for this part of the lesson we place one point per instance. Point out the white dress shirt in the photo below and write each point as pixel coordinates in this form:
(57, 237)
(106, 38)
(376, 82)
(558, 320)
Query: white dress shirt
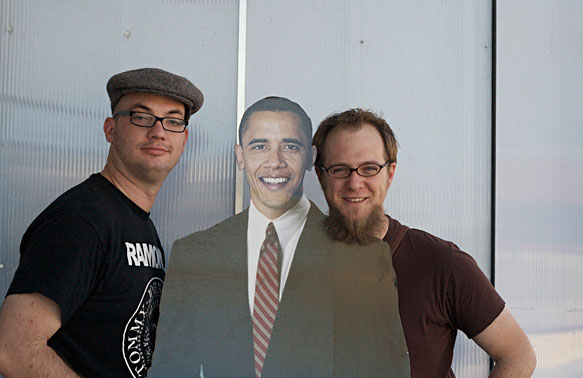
(289, 227)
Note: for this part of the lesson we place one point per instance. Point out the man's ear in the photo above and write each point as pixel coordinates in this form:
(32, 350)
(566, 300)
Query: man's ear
(239, 156)
(313, 158)
(185, 139)
(391, 169)
(108, 127)
(319, 173)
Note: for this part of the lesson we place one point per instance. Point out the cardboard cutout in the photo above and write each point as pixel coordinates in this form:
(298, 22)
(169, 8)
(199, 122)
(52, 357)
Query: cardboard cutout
(338, 315)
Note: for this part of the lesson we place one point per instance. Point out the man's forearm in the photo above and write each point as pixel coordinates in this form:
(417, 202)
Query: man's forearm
(519, 367)
(27, 322)
(41, 361)
(508, 346)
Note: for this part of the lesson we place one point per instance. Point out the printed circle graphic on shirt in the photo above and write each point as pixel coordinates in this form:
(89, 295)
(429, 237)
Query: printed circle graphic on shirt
(140, 332)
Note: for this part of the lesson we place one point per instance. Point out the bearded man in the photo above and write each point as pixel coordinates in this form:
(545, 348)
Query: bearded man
(441, 288)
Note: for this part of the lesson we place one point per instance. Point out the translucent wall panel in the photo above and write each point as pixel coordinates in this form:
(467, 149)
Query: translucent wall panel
(539, 180)
(426, 66)
(55, 59)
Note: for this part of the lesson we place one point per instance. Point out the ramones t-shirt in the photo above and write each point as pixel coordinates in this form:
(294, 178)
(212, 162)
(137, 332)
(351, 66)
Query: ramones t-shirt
(98, 256)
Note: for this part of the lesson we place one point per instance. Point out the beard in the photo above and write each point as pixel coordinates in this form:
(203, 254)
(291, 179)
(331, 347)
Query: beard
(360, 231)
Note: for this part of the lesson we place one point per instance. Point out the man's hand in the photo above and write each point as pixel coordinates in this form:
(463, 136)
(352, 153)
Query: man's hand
(27, 321)
(508, 346)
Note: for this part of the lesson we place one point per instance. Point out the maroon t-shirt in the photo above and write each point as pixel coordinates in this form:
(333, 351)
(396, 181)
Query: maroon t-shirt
(441, 290)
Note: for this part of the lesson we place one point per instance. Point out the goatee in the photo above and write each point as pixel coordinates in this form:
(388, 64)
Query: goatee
(360, 231)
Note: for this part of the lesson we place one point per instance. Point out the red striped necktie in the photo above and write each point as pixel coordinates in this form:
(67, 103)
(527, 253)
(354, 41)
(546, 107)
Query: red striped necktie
(266, 298)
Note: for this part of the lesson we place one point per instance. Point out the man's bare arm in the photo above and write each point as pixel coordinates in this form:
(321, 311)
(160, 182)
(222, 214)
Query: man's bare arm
(27, 321)
(508, 346)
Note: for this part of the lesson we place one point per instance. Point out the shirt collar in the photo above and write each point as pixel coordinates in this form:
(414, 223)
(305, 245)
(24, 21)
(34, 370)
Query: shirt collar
(286, 224)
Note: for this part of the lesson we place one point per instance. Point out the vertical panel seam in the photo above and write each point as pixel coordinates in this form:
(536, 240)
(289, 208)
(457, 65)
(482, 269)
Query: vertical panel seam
(493, 152)
(240, 96)
(493, 160)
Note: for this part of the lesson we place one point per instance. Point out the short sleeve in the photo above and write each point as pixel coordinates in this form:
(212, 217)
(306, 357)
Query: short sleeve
(62, 260)
(473, 302)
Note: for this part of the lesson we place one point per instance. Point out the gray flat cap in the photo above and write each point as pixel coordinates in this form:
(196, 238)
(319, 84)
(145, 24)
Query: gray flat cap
(155, 81)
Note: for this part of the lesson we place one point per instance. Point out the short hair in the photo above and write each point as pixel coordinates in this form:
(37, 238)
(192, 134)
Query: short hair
(276, 104)
(353, 119)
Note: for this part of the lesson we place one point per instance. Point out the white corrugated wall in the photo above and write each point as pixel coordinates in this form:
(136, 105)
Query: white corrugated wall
(426, 65)
(539, 177)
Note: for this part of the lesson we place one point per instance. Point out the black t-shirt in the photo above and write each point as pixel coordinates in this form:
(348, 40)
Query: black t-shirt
(98, 256)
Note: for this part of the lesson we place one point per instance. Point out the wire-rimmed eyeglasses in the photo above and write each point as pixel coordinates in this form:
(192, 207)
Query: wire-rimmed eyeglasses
(364, 170)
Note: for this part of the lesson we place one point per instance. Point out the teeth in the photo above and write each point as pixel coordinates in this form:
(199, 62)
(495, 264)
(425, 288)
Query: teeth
(355, 199)
(275, 180)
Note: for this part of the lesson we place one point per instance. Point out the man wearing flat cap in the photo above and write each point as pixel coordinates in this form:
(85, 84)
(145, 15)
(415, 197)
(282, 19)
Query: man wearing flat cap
(84, 299)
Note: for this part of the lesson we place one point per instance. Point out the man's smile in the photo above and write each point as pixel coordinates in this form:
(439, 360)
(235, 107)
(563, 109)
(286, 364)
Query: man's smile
(355, 199)
(274, 182)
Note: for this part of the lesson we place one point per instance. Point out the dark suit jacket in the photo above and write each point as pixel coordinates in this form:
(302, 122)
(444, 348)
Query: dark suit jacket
(338, 316)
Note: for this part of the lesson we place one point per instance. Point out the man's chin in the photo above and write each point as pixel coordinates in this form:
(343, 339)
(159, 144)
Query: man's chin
(354, 216)
(281, 202)
(274, 205)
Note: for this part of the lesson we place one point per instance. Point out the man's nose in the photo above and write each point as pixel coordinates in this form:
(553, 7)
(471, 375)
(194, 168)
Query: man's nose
(355, 181)
(157, 131)
(275, 159)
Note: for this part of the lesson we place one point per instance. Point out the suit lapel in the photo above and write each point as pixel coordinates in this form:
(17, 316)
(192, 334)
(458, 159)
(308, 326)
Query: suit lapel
(240, 315)
(228, 327)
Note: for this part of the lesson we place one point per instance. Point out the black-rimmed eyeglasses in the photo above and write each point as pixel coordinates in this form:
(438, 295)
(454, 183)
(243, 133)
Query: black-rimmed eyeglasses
(364, 170)
(175, 125)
